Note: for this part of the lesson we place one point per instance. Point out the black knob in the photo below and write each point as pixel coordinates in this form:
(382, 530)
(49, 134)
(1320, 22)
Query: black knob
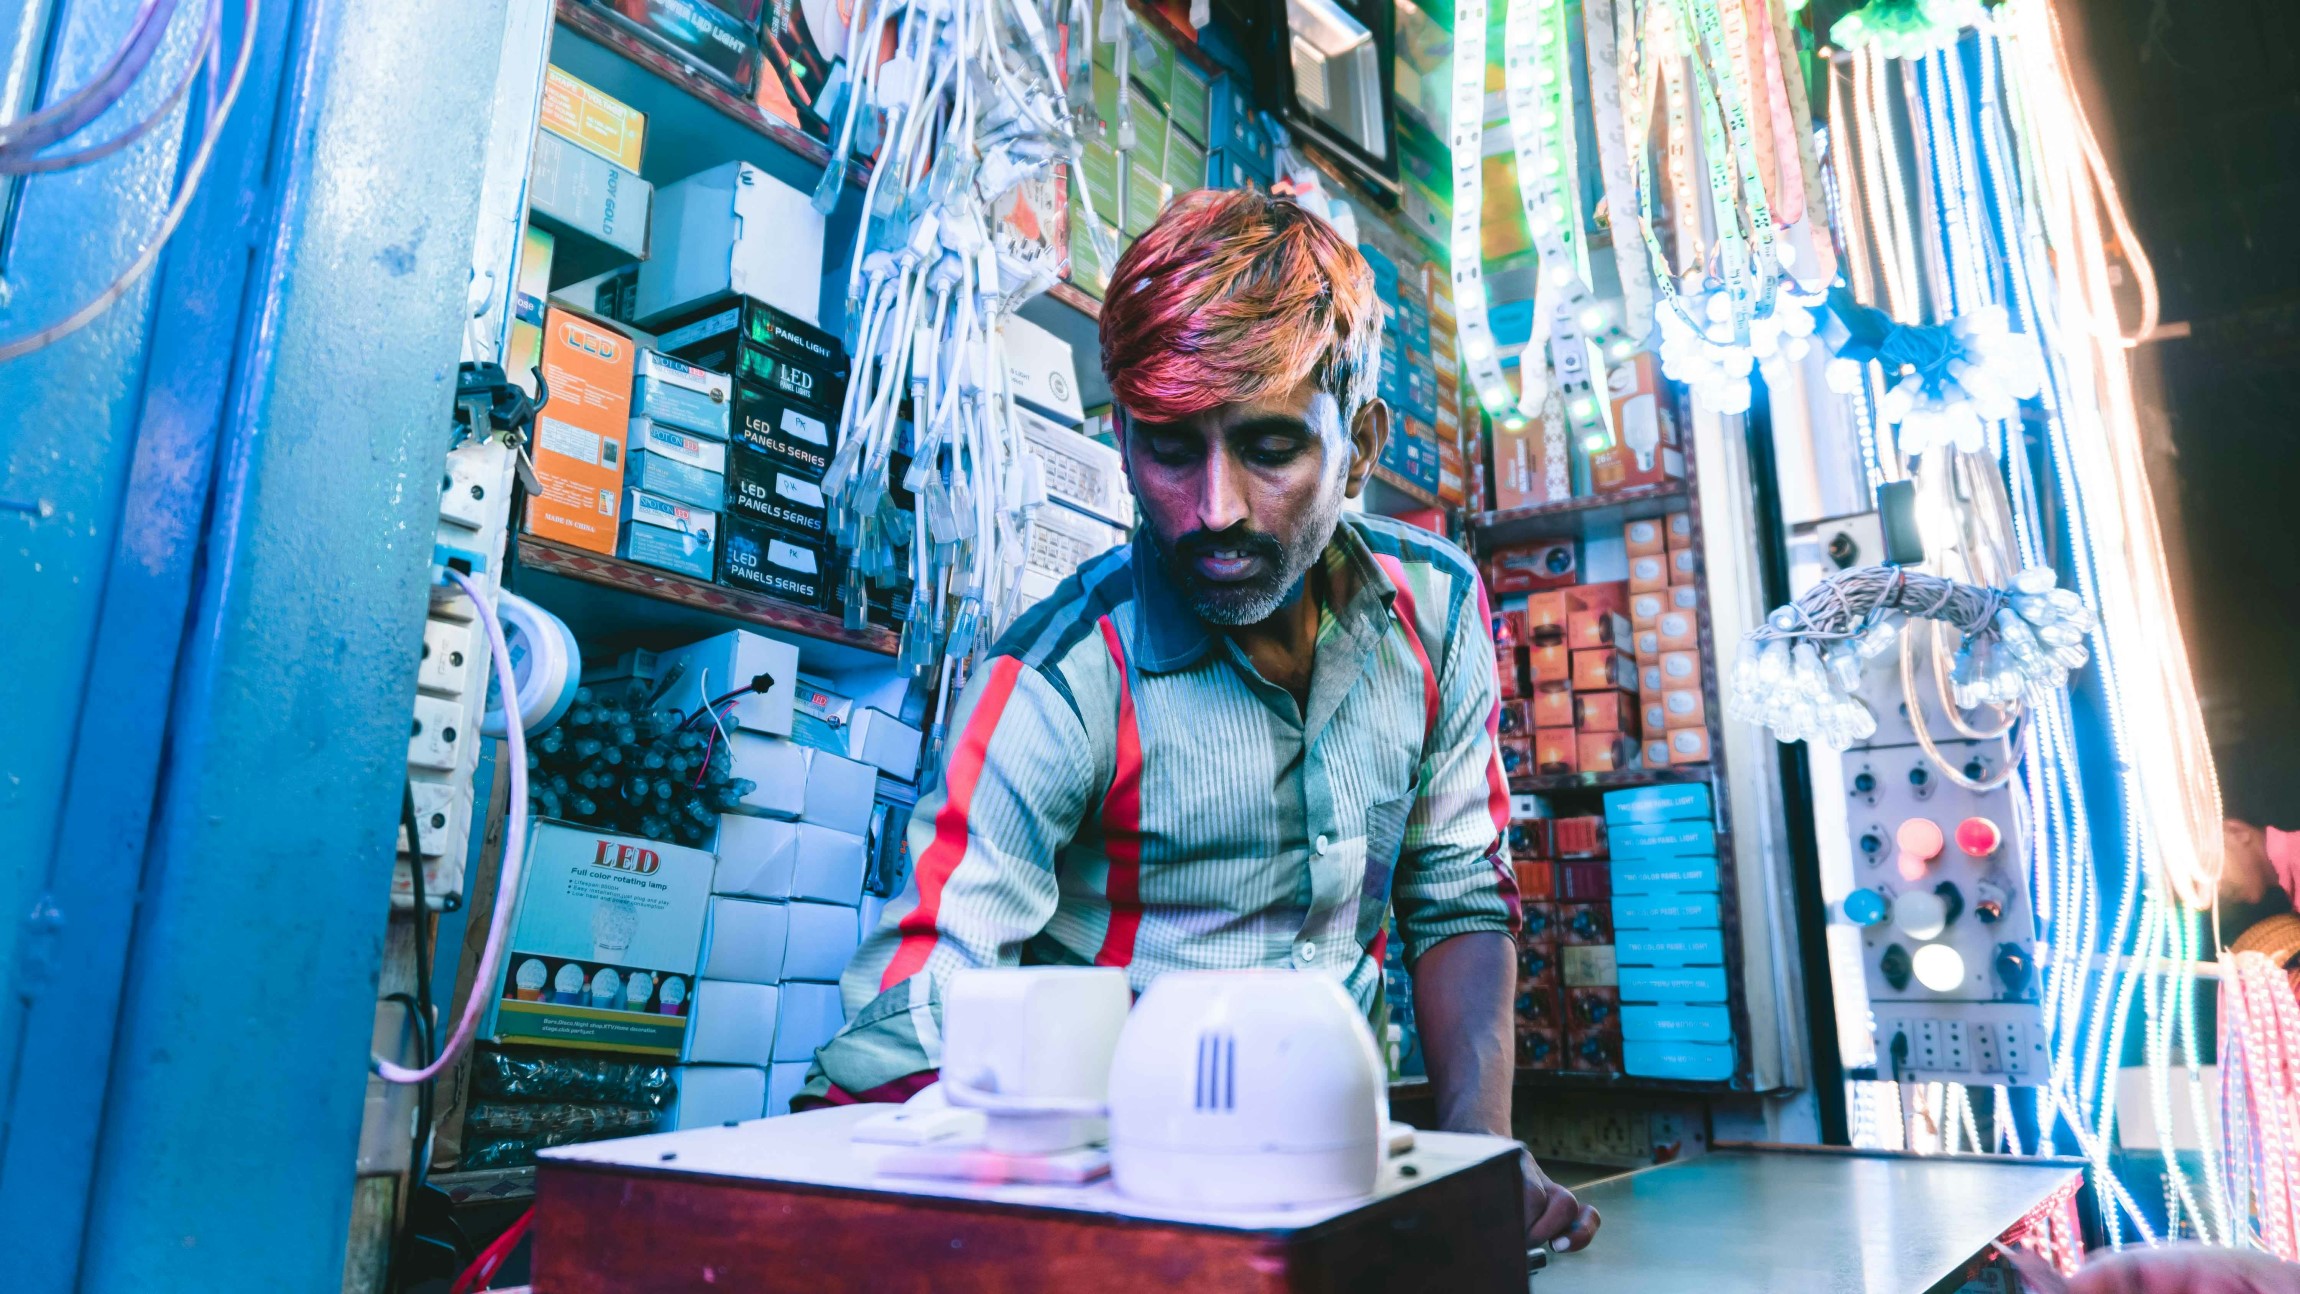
(1988, 912)
(1864, 782)
(2015, 968)
(1895, 966)
(1871, 842)
(1975, 770)
(1952, 901)
(1918, 776)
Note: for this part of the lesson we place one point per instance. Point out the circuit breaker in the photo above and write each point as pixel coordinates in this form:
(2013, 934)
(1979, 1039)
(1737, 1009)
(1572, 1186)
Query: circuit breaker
(1948, 932)
(451, 675)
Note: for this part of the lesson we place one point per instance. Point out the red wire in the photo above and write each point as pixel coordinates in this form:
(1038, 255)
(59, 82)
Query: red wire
(481, 1272)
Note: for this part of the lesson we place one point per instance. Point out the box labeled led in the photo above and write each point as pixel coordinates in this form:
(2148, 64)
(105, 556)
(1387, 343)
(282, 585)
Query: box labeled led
(675, 393)
(1665, 911)
(669, 535)
(1552, 708)
(756, 558)
(579, 437)
(580, 113)
(1646, 1022)
(1679, 669)
(776, 495)
(1684, 565)
(1670, 947)
(1667, 803)
(1677, 631)
(604, 943)
(1690, 836)
(1586, 629)
(1678, 531)
(1645, 608)
(1688, 746)
(1603, 667)
(590, 195)
(1672, 983)
(1649, 573)
(734, 228)
(1682, 707)
(771, 349)
(678, 465)
(1555, 750)
(1604, 752)
(1644, 538)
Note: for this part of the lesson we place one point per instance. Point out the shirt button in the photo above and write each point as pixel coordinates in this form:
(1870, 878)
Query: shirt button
(1306, 952)
(1322, 843)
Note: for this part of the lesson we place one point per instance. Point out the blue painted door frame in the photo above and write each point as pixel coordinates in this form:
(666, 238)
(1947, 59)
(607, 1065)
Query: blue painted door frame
(217, 504)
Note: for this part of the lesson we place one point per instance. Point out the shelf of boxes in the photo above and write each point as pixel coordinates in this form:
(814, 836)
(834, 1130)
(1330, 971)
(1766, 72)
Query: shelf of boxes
(1578, 517)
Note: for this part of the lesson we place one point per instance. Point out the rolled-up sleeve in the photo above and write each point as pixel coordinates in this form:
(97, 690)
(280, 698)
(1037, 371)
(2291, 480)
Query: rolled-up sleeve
(1453, 875)
(1018, 780)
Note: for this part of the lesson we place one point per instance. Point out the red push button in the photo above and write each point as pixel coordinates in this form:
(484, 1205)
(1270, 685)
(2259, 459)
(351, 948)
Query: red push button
(1979, 837)
(1919, 841)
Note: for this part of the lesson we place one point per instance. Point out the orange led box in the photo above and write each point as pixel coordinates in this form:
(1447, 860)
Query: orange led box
(578, 445)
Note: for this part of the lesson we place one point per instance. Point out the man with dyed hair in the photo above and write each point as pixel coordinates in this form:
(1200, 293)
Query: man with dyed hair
(1251, 735)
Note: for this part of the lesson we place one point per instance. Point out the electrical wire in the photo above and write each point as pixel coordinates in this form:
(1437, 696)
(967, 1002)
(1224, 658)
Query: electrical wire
(22, 161)
(59, 120)
(186, 188)
(427, 1032)
(514, 859)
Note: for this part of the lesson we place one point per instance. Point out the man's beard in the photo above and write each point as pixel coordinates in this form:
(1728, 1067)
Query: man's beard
(1247, 602)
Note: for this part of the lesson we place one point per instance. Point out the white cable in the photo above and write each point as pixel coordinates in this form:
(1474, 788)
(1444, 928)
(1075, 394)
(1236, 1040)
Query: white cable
(507, 882)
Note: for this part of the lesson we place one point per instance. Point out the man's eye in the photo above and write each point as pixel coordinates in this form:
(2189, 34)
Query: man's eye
(1274, 453)
(1171, 453)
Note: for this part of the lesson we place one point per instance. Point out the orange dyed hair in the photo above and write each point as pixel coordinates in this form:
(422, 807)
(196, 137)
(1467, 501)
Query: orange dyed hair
(1233, 295)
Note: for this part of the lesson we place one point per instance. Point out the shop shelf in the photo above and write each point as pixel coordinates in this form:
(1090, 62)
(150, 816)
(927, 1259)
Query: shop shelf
(620, 604)
(1070, 295)
(1411, 489)
(1545, 783)
(1580, 517)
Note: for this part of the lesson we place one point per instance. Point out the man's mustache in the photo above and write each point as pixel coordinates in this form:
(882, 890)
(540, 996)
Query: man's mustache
(1253, 543)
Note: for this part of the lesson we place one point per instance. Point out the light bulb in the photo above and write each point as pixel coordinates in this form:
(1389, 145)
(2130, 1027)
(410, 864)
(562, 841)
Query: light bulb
(1939, 967)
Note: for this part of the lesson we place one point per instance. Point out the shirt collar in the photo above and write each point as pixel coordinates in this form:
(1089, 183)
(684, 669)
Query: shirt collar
(1172, 637)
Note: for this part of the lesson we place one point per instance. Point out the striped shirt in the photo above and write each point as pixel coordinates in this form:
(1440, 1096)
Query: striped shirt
(1125, 789)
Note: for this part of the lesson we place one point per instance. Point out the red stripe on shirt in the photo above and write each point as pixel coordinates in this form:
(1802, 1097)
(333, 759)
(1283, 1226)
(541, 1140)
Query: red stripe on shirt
(1497, 781)
(942, 857)
(1405, 613)
(1122, 822)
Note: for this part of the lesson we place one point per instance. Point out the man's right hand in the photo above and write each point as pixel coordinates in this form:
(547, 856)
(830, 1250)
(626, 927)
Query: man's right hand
(1553, 1216)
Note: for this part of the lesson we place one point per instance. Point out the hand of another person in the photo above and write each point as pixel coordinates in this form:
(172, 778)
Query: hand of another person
(1552, 1216)
(2172, 1269)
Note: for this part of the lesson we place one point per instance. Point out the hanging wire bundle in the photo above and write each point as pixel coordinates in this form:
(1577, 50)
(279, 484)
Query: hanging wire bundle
(966, 115)
(1800, 672)
(1953, 379)
(2260, 1109)
(617, 763)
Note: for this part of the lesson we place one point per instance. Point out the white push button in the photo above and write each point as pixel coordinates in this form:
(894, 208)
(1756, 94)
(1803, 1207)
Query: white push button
(1306, 952)
(1322, 844)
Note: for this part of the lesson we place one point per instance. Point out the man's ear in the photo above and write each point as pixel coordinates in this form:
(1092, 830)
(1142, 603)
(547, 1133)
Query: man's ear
(1369, 431)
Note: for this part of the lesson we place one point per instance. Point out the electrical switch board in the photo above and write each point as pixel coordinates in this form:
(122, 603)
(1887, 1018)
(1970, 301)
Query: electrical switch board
(451, 674)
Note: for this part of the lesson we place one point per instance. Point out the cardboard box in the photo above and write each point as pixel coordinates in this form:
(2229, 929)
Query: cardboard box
(1145, 193)
(1552, 708)
(1645, 450)
(734, 229)
(1600, 668)
(1581, 836)
(1684, 565)
(1665, 876)
(1649, 680)
(668, 535)
(734, 1024)
(839, 792)
(786, 1078)
(1671, 948)
(1042, 371)
(523, 351)
(805, 62)
(1644, 538)
(1513, 718)
(1586, 882)
(1687, 836)
(1185, 162)
(744, 941)
(1584, 925)
(1682, 707)
(1531, 568)
(1530, 466)
(1549, 666)
(1685, 597)
(1677, 531)
(1539, 1047)
(1083, 473)
(1554, 750)
(1656, 752)
(1509, 673)
(1098, 174)
(1541, 928)
(826, 721)
(1531, 838)
(1697, 1061)
(1609, 595)
(1673, 983)
(1516, 756)
(1668, 802)
(712, 1095)
(1030, 228)
(784, 431)
(777, 768)
(766, 858)
(590, 195)
(1508, 628)
(1675, 1022)
(1645, 608)
(755, 342)
(755, 558)
(673, 393)
(1680, 669)
(1088, 272)
(710, 669)
(1062, 540)
(1654, 712)
(1536, 878)
(677, 465)
(811, 1014)
(776, 495)
(1649, 573)
(1606, 712)
(1594, 1052)
(1587, 629)
(612, 295)
(1647, 644)
(1588, 965)
(579, 437)
(823, 939)
(1604, 752)
(1677, 631)
(700, 33)
(606, 936)
(1539, 1002)
(1672, 911)
(1546, 610)
(583, 115)
(1688, 746)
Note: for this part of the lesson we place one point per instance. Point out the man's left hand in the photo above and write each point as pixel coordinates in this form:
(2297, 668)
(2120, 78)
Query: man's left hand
(1552, 1216)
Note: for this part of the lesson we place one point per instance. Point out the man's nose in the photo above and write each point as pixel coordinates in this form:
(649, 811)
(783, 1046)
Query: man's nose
(1221, 493)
